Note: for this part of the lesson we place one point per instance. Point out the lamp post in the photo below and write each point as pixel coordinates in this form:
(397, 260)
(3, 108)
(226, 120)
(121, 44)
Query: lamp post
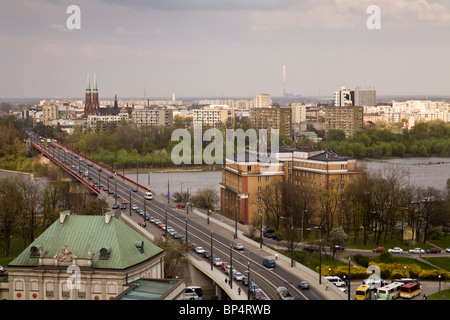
(231, 266)
(292, 238)
(211, 250)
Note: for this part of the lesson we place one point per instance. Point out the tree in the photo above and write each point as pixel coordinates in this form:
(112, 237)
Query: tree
(337, 239)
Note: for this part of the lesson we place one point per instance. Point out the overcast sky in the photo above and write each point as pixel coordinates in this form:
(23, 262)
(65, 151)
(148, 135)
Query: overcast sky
(209, 48)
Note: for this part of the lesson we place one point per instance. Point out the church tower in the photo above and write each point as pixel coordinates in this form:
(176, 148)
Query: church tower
(88, 97)
(95, 103)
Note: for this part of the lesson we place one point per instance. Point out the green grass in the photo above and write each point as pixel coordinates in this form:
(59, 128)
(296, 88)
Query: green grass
(443, 295)
(441, 262)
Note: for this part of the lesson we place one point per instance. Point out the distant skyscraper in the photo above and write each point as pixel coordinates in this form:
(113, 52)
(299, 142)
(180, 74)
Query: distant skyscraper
(365, 97)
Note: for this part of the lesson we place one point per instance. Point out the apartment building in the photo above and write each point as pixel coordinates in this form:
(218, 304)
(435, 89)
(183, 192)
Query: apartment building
(308, 171)
(365, 97)
(213, 115)
(262, 101)
(298, 112)
(343, 97)
(49, 113)
(348, 119)
(275, 117)
(152, 117)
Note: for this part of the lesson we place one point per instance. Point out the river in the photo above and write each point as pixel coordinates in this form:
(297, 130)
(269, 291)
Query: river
(424, 172)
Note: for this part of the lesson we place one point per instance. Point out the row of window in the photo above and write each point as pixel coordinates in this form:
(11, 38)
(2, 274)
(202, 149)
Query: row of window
(49, 288)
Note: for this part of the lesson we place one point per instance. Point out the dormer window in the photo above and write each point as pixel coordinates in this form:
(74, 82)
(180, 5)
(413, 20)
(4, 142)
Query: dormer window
(104, 253)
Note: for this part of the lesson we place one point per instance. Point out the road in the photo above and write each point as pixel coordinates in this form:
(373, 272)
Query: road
(196, 229)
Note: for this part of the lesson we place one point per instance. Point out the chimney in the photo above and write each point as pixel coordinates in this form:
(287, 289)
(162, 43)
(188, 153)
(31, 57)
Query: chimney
(108, 217)
(63, 215)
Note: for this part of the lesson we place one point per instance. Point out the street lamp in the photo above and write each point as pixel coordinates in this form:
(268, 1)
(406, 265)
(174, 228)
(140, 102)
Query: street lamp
(292, 238)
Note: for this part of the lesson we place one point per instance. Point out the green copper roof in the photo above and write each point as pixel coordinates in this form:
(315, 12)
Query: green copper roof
(88, 84)
(92, 233)
(95, 82)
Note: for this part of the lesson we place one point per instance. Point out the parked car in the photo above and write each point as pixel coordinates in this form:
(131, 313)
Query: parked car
(396, 250)
(304, 285)
(447, 250)
(2, 269)
(378, 249)
(277, 237)
(433, 250)
(416, 250)
(238, 246)
(181, 205)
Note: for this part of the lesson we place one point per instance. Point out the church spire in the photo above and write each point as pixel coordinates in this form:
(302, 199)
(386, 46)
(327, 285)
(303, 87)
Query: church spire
(88, 84)
(95, 82)
(116, 105)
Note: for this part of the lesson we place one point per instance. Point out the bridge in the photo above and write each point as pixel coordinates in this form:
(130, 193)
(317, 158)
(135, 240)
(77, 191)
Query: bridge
(210, 232)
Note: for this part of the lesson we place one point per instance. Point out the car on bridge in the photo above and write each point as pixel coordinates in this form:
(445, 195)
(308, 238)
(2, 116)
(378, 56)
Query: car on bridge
(238, 246)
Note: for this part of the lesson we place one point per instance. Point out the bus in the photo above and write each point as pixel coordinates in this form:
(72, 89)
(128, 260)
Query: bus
(389, 292)
(193, 293)
(363, 292)
(409, 290)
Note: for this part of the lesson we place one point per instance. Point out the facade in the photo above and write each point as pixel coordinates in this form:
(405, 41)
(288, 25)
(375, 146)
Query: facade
(213, 115)
(83, 258)
(275, 117)
(348, 119)
(152, 117)
(262, 101)
(49, 113)
(309, 172)
(365, 97)
(298, 112)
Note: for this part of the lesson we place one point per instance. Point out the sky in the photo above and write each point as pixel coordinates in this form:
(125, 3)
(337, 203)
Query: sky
(229, 48)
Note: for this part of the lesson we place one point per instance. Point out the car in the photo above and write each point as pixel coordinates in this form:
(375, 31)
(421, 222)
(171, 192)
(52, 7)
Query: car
(207, 254)
(269, 262)
(115, 206)
(134, 207)
(245, 281)
(254, 288)
(238, 246)
(238, 276)
(160, 224)
(227, 269)
(396, 250)
(433, 250)
(157, 221)
(199, 249)
(123, 207)
(2, 269)
(105, 188)
(277, 237)
(304, 285)
(181, 205)
(124, 201)
(447, 250)
(224, 265)
(111, 191)
(378, 249)
(416, 250)
(267, 235)
(175, 235)
(217, 261)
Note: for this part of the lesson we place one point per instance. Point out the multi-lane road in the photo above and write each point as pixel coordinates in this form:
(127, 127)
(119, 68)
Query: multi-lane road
(196, 229)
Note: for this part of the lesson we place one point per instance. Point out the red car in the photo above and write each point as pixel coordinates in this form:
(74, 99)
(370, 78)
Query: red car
(105, 189)
(378, 249)
(433, 250)
(181, 205)
(124, 201)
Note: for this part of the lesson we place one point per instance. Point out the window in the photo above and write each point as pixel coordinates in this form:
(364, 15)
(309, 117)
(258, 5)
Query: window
(111, 289)
(19, 285)
(259, 199)
(65, 291)
(49, 289)
(259, 179)
(259, 189)
(267, 179)
(249, 168)
(34, 286)
(342, 176)
(96, 288)
(82, 291)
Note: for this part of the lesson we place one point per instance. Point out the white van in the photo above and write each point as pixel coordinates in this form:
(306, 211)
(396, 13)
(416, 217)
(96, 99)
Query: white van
(148, 196)
(336, 281)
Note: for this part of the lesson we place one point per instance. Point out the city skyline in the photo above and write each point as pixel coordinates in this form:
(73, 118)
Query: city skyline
(223, 48)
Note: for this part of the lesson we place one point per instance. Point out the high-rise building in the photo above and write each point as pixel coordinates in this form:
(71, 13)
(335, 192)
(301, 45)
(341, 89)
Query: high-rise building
(213, 116)
(272, 118)
(298, 112)
(343, 97)
(262, 101)
(49, 113)
(365, 97)
(348, 119)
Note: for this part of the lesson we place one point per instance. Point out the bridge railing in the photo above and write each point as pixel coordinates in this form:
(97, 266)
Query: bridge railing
(100, 165)
(66, 168)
